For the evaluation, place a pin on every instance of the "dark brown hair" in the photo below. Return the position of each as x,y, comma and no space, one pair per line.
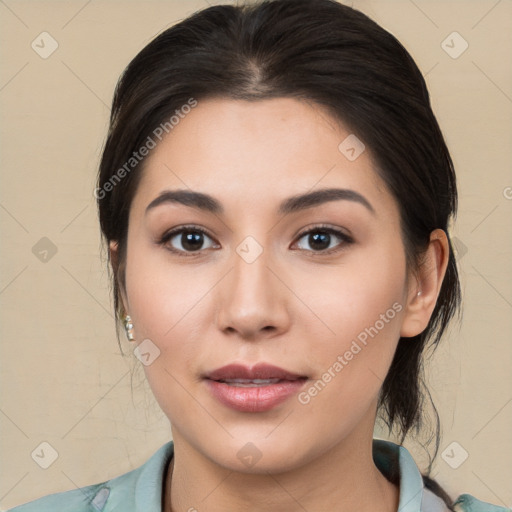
320,51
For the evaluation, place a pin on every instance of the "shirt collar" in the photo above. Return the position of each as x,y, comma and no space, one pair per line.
397,465
150,484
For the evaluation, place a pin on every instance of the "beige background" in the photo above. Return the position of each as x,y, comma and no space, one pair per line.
63,380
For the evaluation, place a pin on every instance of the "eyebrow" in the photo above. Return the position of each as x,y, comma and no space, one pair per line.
293,204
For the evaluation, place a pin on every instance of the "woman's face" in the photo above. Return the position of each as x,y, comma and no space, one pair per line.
316,287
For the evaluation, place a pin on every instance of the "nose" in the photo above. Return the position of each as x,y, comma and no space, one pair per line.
252,301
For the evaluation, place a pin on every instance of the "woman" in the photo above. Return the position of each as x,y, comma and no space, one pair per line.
275,193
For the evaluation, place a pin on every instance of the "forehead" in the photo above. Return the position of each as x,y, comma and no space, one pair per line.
259,151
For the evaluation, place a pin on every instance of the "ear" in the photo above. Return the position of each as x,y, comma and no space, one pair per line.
118,270
425,285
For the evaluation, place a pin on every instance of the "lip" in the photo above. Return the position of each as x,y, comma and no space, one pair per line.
258,371
244,397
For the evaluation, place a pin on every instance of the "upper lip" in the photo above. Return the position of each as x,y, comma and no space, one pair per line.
258,371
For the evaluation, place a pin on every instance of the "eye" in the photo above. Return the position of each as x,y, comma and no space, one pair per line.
322,239
186,240
190,240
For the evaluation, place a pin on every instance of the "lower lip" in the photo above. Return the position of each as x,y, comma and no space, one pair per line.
257,398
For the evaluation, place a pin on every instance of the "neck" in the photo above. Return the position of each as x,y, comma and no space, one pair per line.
343,479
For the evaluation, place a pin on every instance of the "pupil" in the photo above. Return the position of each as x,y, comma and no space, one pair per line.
191,241
319,240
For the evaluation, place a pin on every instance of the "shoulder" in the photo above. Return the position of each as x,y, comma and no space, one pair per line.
137,490
464,503
77,500
419,493
432,502
468,503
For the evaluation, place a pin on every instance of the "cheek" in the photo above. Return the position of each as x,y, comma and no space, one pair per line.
362,305
165,303
357,295
352,363
170,304
162,297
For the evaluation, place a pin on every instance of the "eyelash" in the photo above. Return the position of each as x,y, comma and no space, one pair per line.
322,228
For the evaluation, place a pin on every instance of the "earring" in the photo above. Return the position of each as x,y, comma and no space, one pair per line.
128,327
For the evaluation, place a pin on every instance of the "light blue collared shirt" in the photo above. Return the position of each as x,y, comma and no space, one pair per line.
141,489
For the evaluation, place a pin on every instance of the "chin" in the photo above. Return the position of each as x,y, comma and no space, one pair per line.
261,456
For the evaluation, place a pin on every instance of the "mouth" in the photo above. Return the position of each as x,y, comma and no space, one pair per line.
253,389
249,383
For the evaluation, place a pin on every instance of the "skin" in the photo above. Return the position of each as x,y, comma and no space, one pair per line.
294,306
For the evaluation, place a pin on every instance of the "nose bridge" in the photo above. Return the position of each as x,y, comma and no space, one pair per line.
251,299
251,274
